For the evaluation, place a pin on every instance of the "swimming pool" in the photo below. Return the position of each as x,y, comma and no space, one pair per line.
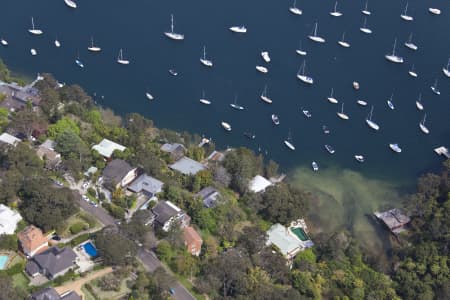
3,261
300,233
90,249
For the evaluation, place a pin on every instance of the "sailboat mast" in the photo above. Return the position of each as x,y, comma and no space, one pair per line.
171,23
393,49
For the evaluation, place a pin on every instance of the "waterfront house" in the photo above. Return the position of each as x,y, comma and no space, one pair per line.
46,151
209,196
287,242
146,185
192,240
187,166
258,184
118,173
9,140
215,156
106,148
175,150
8,220
32,241
394,219
51,294
52,262
165,213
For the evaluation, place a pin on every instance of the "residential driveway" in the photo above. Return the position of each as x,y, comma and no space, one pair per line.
78,284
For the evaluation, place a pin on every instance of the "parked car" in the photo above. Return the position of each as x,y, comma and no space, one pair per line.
56,237
172,291
85,198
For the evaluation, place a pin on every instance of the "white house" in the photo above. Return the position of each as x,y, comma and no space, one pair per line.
8,220
106,148
259,184
9,139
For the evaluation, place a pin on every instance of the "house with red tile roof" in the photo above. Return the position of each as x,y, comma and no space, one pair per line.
192,240
32,241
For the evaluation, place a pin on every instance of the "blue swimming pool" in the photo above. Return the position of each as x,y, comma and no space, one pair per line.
90,249
3,261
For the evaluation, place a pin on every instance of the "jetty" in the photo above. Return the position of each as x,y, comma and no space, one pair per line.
442,151
394,219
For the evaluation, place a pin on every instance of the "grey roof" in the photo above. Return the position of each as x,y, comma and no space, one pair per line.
164,211
147,184
209,196
116,170
48,144
46,294
32,268
71,296
170,148
187,166
55,260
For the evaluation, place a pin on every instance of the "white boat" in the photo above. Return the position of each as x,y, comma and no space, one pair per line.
173,72
329,149
314,37
120,59
412,72
94,48
307,113
395,148
341,114
422,126
275,119
315,166
33,52
409,44
366,10
149,96
419,104
235,105
33,30
262,69
225,126
204,60
203,99
355,85
364,28
371,123
393,57
325,129
301,75
57,43
342,42
238,29
4,42
265,56
264,96
362,102
434,88
359,158
79,63
434,11
293,9
288,142
300,51
405,15
60,85
331,98
446,69
70,3
171,34
335,12
390,103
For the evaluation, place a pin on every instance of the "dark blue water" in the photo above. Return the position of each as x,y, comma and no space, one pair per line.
138,28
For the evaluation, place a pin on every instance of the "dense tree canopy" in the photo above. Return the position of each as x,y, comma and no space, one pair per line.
107,241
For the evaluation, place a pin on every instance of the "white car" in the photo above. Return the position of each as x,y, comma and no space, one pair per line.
84,197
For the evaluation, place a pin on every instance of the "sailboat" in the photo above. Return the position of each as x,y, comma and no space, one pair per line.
120,59
300,51
434,11
366,11
262,69
235,105
225,126
33,30
288,142
390,103
422,125
446,70
275,119
409,44
78,61
314,37
293,9
238,29
412,72
341,114
359,158
434,87
371,123
70,3
57,43
419,104
93,48
264,96
204,100
149,96
364,28
361,102
405,15
335,12
329,149
33,51
171,34
395,148
204,60
306,112
342,42
302,76
331,98
393,57
265,56
3,42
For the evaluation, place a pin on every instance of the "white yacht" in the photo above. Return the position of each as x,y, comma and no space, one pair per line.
301,75
204,60
393,57
33,29
342,42
335,12
329,149
362,102
203,99
409,44
390,103
306,112
275,119
405,15
355,85
446,69
265,56
171,34
262,69
419,104
288,142
33,52
366,10
341,113
94,48
264,96
235,105
293,9
4,42
70,3
149,96
120,59
315,166
364,28
434,88
225,126
395,147
412,72
422,126
371,123
434,11
300,51
173,72
314,37
359,158
238,29
331,98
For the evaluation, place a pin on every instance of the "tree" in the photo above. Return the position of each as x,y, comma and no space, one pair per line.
108,240
9,292
252,239
22,122
3,118
62,126
8,242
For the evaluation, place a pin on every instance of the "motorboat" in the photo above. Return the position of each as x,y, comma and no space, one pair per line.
33,29
203,99
331,98
364,28
225,126
390,103
434,88
265,56
361,102
307,113
238,29
412,73
446,69
405,15
395,147
250,135
4,42
366,10
335,12
314,37
359,158
409,44
120,59
342,42
422,126
325,129
329,149
94,48
434,11
371,123
288,142
70,3
264,96
171,34
419,104
355,85
301,75
149,96
300,51
235,105
57,43
33,52
341,114
173,72
315,166
293,9
204,60
262,69
393,57
275,119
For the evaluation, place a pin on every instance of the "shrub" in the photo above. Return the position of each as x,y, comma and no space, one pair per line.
78,227
79,239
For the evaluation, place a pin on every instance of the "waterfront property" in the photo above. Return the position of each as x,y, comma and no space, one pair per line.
32,241
187,166
8,219
52,263
106,148
17,97
118,173
175,150
394,219
259,184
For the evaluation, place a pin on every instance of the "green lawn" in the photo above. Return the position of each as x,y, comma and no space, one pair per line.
80,217
20,280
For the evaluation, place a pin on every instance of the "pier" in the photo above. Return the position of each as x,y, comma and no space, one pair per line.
442,151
